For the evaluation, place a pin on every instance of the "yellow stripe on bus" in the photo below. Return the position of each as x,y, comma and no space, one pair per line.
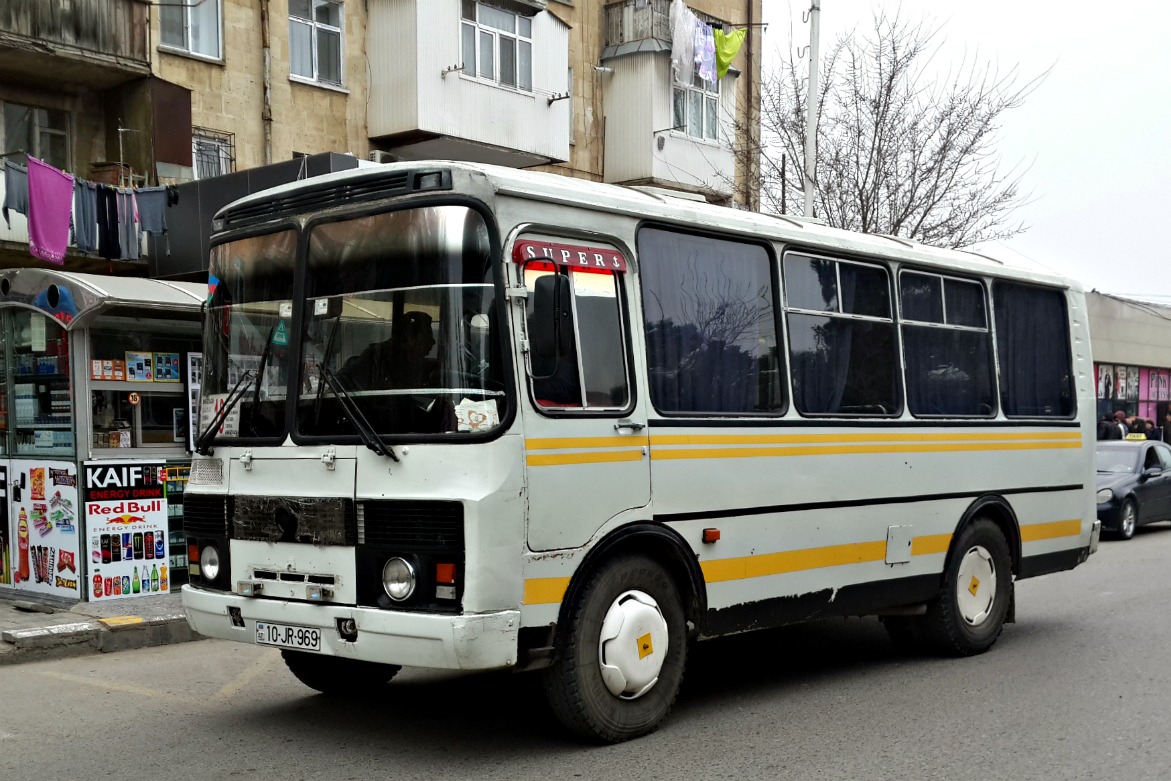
1052,530
798,439
717,570
545,591
931,543
570,443
564,459
542,591
835,450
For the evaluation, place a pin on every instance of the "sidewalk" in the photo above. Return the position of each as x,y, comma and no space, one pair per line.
31,630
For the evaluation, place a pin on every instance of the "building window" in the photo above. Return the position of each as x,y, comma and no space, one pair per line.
696,108
192,27
42,133
315,40
212,153
497,45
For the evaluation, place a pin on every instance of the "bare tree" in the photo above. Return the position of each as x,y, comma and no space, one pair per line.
901,149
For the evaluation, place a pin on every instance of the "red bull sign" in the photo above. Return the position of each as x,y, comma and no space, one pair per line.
126,529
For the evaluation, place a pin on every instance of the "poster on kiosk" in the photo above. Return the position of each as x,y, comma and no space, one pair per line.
126,529
43,528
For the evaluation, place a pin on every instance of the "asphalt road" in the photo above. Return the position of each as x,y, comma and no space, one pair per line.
1079,688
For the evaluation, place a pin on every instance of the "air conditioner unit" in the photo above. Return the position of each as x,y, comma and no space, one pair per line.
382,156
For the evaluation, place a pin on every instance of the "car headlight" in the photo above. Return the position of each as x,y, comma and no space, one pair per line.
1105,495
209,562
398,579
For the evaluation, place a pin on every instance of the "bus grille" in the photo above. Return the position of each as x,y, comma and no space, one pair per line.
414,526
315,520
205,515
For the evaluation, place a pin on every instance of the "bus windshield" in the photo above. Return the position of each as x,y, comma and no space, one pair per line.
398,326
247,333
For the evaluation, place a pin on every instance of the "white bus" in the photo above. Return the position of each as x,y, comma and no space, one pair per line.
466,417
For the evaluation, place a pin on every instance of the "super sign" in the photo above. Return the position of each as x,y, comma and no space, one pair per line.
571,255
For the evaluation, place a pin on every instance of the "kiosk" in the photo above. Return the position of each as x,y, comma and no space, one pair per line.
95,402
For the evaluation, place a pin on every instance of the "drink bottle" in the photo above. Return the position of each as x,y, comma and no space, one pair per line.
135,584
97,585
154,578
163,584
22,546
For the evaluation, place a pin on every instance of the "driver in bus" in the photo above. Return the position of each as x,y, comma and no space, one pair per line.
398,362
401,363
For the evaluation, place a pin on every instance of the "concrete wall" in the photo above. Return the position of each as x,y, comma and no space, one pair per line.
228,95
1129,332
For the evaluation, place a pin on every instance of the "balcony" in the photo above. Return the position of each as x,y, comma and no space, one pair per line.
646,144
426,103
92,43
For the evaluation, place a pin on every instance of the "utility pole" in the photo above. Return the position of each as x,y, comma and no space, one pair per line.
812,106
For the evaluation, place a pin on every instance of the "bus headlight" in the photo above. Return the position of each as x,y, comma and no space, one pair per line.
1105,495
398,579
209,562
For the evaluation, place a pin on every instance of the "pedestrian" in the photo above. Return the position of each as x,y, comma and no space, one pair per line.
1150,430
1120,429
1167,427
1107,429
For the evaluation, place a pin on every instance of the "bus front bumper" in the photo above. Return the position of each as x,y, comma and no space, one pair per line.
482,641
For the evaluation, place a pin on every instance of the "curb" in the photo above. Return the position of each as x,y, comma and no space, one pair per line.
102,635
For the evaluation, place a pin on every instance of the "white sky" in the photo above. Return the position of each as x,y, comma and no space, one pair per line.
1095,135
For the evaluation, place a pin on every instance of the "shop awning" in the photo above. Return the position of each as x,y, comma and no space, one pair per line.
74,299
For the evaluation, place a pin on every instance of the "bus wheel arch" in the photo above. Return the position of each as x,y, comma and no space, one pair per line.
657,542
995,508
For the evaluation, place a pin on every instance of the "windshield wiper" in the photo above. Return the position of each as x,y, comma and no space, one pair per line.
204,440
366,432
326,354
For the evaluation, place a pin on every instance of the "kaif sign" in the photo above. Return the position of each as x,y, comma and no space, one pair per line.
126,527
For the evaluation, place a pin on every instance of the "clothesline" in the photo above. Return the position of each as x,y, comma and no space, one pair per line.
99,219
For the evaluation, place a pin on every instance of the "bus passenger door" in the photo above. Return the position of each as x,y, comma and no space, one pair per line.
586,442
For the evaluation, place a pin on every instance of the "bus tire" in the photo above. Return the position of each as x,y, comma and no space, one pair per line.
969,613
621,654
336,675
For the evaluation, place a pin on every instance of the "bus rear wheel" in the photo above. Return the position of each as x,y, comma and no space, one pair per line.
621,653
969,613
337,676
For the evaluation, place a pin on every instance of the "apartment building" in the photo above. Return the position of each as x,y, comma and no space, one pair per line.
133,92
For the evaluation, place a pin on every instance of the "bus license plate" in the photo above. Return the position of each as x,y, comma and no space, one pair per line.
283,636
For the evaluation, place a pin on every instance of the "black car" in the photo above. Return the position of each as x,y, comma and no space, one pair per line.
1134,485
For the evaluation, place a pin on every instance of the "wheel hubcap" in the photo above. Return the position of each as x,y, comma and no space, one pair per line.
633,645
1128,519
976,585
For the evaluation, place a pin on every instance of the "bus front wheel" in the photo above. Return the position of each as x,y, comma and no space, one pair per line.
969,613
621,654
337,676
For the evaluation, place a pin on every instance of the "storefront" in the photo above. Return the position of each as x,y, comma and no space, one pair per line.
95,404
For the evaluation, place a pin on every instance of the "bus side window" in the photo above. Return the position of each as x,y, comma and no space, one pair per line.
556,382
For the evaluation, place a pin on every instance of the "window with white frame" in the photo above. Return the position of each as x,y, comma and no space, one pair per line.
42,133
697,108
315,40
193,27
497,45
212,153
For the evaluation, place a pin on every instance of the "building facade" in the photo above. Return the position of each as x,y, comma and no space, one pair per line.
137,93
